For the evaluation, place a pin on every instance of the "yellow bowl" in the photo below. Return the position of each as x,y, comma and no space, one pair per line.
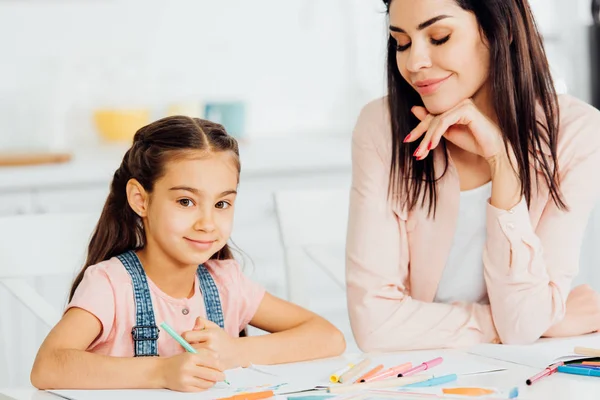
120,125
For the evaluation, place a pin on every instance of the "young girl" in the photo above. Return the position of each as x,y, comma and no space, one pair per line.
159,253
472,186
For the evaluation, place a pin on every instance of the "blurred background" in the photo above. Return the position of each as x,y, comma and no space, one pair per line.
287,78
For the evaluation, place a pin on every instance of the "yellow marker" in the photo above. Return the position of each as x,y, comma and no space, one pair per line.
335,377
468,391
586,351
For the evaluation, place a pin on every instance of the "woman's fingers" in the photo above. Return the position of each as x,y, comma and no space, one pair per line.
433,136
419,129
420,112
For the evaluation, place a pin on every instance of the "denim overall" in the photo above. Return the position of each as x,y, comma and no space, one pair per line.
145,332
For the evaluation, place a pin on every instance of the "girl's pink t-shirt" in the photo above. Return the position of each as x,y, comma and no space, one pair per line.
106,291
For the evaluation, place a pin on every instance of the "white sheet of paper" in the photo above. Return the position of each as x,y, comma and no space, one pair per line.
241,380
140,394
540,354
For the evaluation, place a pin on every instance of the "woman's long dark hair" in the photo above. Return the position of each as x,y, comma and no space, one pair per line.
119,228
520,80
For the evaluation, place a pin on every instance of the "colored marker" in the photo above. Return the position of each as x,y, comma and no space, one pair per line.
584,366
440,380
188,347
335,377
423,367
468,391
578,371
354,371
369,373
546,372
592,363
251,396
586,351
394,371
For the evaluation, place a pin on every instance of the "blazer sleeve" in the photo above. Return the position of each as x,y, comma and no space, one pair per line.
529,271
383,315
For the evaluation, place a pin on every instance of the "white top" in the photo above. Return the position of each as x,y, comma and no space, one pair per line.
462,279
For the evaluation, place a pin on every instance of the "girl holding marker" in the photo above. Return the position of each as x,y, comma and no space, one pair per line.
159,253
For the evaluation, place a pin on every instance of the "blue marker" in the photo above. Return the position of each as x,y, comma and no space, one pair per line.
584,366
578,371
433,381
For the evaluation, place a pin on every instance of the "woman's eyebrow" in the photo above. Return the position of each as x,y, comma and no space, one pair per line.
422,25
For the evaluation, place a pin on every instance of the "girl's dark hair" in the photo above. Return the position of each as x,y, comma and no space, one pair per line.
520,79
119,228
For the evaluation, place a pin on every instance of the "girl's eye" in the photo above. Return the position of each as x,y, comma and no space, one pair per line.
186,202
439,42
223,204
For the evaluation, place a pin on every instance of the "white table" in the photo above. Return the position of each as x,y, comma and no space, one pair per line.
26,394
558,386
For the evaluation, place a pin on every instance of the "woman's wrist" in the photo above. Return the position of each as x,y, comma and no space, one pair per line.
506,184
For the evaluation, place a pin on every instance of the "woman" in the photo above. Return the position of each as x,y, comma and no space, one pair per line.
472,186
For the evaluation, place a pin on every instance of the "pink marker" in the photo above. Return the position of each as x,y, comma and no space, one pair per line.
423,367
394,371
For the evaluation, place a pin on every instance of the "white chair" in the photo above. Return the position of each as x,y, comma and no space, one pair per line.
46,251
589,272
312,227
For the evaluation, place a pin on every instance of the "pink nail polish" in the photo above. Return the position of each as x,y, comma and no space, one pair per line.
429,146
415,153
407,138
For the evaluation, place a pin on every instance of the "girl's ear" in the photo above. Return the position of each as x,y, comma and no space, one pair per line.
137,197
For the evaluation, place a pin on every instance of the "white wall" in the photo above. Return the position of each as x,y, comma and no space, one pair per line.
294,62
303,66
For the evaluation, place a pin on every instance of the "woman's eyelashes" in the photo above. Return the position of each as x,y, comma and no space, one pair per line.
439,42
435,42
402,47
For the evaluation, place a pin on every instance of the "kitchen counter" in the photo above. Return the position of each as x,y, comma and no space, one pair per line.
259,157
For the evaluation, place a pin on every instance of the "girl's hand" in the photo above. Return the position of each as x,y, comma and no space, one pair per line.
463,125
188,372
207,335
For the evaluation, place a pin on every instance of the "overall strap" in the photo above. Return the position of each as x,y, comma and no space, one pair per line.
145,331
212,301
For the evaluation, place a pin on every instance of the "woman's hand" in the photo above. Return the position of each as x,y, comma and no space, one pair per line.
463,125
208,335
582,315
468,128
